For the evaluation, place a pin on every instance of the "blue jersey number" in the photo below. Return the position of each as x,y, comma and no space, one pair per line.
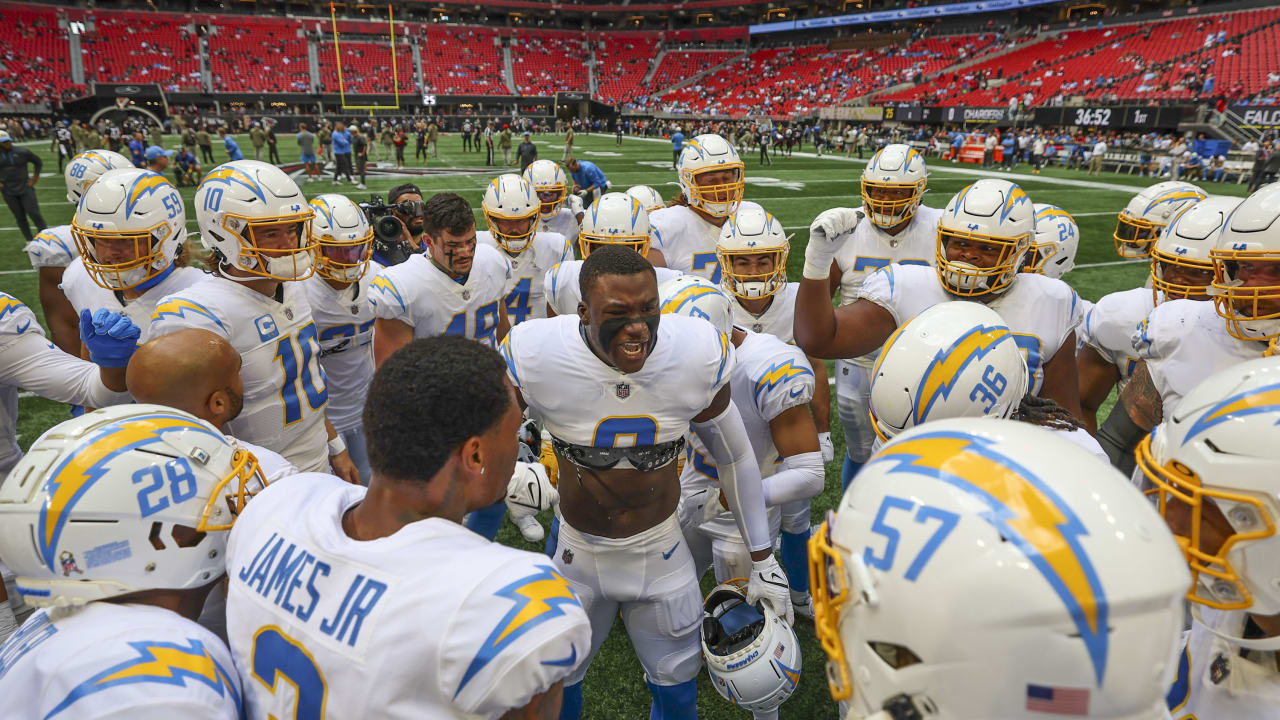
707,262
77,170
485,328
518,307
173,204
277,657
347,332
989,390
300,363
182,485
885,559
642,429
1030,347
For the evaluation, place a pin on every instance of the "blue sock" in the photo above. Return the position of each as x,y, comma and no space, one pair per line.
571,706
553,538
847,471
795,559
673,702
486,521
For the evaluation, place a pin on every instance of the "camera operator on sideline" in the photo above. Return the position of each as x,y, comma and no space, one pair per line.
397,224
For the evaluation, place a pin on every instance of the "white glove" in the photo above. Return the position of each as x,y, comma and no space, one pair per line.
699,507
827,235
828,449
769,583
575,204
530,491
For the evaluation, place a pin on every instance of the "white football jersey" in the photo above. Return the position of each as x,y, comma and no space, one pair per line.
285,391
273,465
85,294
433,621
583,401
106,660
868,248
1214,680
769,377
686,240
778,320
1184,342
29,361
1108,327
424,297
564,293
525,294
1040,311
52,247
344,319
564,222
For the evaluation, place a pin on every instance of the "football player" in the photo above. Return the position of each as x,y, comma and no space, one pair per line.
52,249
983,237
1057,238
253,219
617,390
130,230
712,179
901,229
752,252
354,602
1141,221
339,297
1183,341
511,211
1086,606
457,288
1180,269
614,219
115,524
1215,465
558,211
959,359
772,386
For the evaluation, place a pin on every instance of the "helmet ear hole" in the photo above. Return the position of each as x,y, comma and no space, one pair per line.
186,536
895,656
154,537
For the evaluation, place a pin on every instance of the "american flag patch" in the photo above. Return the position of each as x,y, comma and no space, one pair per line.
1057,700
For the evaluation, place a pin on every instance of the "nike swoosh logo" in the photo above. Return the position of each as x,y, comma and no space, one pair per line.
797,392
24,326
667,555
565,662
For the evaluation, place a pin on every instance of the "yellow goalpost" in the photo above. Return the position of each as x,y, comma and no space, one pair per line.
337,57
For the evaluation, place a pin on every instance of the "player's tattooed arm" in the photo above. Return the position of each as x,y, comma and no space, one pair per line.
1141,399
1137,411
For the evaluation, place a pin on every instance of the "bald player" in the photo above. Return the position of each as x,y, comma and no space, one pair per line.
198,371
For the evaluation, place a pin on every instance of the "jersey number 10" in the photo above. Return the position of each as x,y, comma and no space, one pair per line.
300,362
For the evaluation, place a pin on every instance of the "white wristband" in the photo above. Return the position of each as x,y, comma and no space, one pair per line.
337,445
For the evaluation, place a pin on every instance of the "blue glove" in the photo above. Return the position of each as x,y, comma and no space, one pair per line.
110,336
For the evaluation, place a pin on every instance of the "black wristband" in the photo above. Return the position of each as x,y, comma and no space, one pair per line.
1119,436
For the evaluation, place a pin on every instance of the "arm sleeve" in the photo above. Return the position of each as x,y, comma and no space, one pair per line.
800,478
725,437
31,363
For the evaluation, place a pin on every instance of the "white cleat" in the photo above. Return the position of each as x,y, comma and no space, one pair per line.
532,531
803,604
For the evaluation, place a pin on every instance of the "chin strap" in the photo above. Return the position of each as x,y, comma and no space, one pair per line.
1267,643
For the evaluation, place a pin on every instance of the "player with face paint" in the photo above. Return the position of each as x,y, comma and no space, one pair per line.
620,544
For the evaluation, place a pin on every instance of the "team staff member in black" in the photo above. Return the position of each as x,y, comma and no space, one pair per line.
18,187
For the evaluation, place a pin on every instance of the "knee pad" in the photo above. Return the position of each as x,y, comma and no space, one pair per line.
664,633
795,517
853,392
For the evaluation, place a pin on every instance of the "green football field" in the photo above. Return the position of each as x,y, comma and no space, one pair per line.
794,189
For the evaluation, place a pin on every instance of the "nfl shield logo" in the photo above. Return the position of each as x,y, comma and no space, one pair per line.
466,294
288,313
623,390
567,556
757,328
355,310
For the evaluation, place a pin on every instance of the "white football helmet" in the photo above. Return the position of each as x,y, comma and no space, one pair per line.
550,183
1216,468
1140,222
344,237
993,569
955,359
129,228
1053,249
893,183
988,214
711,154
237,198
510,199
1182,250
648,197
751,231
1251,238
88,166
752,655
614,219
697,297
122,499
